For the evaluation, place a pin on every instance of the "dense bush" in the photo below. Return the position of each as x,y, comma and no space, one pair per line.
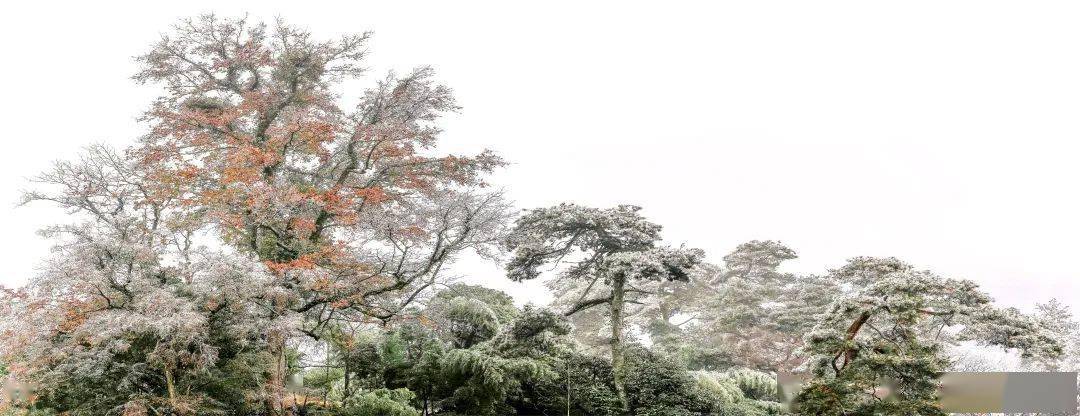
381,402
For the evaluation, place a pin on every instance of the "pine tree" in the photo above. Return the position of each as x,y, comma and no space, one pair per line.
880,348
614,250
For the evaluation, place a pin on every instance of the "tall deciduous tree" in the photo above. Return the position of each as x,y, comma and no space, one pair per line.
336,214
128,313
346,207
249,132
614,250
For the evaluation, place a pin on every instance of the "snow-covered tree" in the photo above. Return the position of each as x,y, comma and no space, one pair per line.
759,314
330,214
260,234
127,312
673,316
744,313
880,348
1060,324
615,251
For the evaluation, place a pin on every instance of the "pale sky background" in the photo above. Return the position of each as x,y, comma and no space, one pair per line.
941,132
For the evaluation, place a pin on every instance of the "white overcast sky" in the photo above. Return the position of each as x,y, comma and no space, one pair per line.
941,132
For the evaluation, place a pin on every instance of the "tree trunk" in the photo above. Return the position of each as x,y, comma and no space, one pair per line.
345,391
567,386
170,386
617,365
277,379
849,353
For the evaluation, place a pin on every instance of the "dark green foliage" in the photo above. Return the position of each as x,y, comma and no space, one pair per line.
754,385
750,408
911,374
465,315
221,389
471,322
658,386
320,382
589,380
487,379
381,402
526,367
655,386
406,357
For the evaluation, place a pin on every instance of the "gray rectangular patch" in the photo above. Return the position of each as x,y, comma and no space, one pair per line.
989,392
1009,392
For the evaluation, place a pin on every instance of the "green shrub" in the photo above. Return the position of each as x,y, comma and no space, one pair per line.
381,402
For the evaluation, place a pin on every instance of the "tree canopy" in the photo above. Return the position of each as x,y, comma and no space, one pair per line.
262,250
